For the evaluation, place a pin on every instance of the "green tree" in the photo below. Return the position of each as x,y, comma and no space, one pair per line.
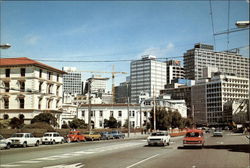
16,123
45,117
77,123
111,123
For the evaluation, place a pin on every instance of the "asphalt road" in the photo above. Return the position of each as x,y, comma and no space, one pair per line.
229,151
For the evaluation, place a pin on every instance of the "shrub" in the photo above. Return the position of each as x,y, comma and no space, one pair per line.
39,125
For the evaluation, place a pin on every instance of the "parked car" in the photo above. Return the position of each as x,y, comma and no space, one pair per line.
24,140
92,136
117,134
4,143
194,137
106,135
218,133
52,138
75,136
159,138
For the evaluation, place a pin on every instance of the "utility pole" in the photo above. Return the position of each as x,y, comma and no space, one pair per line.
89,107
154,108
128,113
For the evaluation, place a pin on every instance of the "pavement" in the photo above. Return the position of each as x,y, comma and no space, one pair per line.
136,135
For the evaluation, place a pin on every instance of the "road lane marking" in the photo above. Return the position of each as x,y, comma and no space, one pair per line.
29,161
84,152
7,165
76,165
142,161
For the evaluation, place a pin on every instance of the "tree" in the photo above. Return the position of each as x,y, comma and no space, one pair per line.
77,123
16,123
111,123
45,117
166,119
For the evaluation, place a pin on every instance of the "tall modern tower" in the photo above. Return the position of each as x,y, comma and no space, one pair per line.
203,56
148,76
72,81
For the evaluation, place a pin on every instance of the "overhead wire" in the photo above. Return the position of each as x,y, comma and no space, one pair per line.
212,20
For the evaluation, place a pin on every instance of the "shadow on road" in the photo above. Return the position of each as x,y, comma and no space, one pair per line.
233,148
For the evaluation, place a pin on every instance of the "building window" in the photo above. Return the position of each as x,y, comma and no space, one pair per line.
119,113
6,103
57,103
40,103
22,71
92,113
5,116
21,103
22,86
111,113
21,117
57,90
7,86
83,113
49,76
40,86
57,78
101,113
40,73
49,104
100,124
7,73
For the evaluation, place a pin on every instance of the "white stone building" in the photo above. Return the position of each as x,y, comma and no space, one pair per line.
99,112
174,70
28,87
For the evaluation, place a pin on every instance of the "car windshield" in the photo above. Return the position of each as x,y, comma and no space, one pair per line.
192,134
47,135
17,135
158,134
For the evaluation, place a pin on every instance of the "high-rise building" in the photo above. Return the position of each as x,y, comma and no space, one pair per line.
174,70
202,56
147,75
72,81
212,97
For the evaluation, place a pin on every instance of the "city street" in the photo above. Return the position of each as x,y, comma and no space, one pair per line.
229,151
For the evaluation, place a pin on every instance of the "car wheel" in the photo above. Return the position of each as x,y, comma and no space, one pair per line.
62,141
7,146
37,143
24,144
53,142
168,143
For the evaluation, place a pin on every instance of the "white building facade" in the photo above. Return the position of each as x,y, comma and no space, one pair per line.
28,87
174,70
72,81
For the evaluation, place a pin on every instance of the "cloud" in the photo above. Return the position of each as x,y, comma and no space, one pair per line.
157,51
32,39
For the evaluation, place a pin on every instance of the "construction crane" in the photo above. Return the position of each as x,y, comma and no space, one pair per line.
113,79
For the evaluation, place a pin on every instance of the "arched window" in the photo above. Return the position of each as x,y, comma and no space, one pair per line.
5,116
21,116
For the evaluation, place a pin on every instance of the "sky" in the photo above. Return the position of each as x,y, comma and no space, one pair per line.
69,33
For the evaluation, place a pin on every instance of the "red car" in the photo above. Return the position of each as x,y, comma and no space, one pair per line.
75,136
194,137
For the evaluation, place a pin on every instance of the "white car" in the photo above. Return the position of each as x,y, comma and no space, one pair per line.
52,138
24,139
4,143
159,138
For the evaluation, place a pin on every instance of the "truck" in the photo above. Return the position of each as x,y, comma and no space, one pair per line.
24,140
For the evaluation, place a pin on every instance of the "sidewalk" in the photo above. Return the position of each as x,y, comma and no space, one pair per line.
136,135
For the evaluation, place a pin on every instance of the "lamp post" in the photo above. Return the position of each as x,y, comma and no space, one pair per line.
5,46
245,24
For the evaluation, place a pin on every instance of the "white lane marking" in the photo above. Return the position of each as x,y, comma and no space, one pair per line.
8,165
84,152
45,158
193,166
29,161
142,161
77,165
220,142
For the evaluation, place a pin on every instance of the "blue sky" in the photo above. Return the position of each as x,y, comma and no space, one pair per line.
115,30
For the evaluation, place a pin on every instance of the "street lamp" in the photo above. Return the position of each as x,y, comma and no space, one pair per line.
242,24
128,112
5,46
